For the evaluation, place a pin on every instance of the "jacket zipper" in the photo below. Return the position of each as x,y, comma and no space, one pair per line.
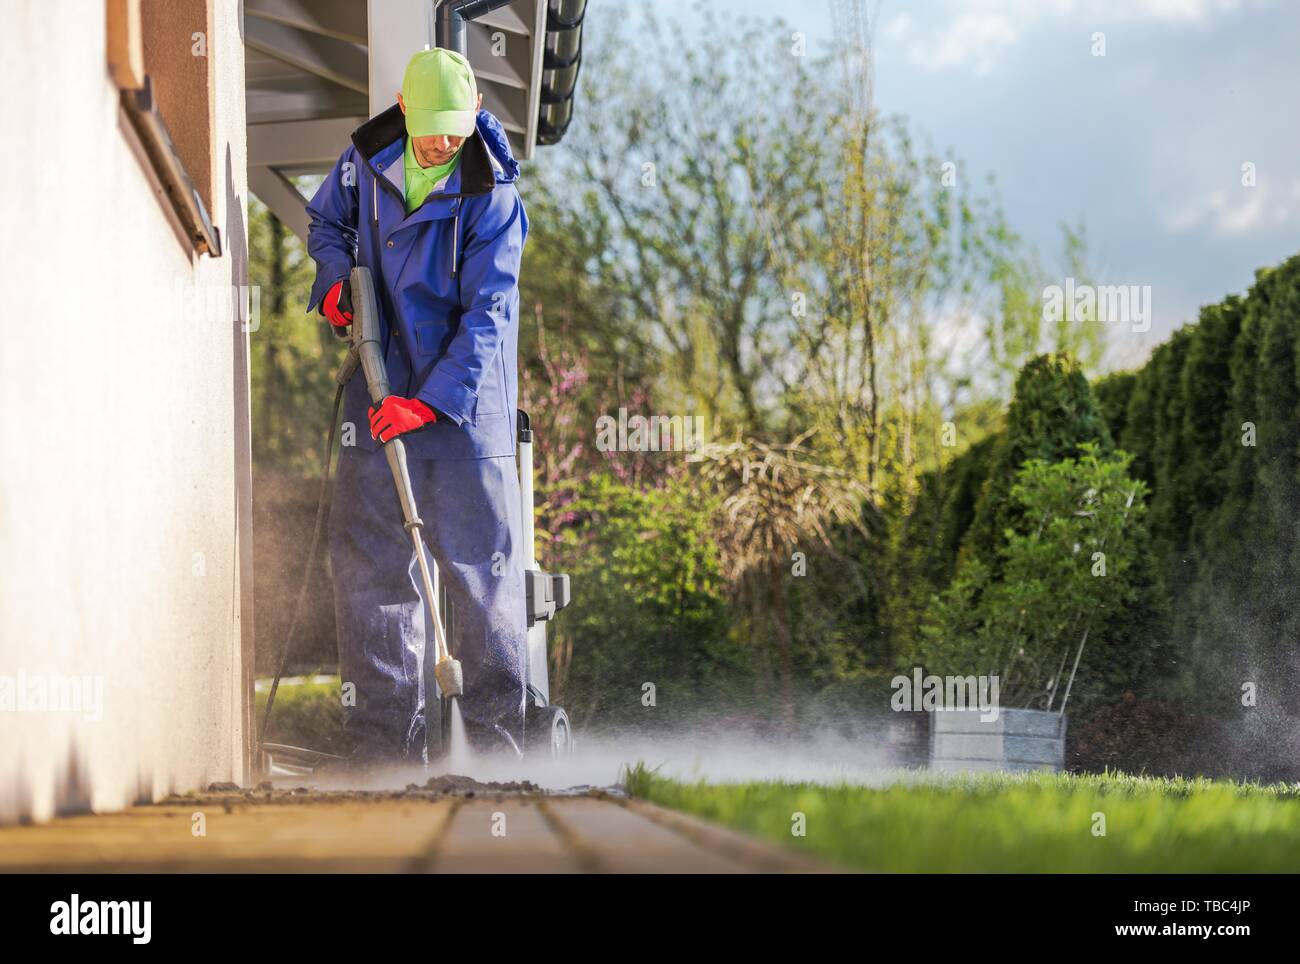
455,229
455,237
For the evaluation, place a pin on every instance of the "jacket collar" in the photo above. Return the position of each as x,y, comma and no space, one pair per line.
476,170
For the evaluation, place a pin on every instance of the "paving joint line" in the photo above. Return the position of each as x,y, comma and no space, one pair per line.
734,845
426,861
588,857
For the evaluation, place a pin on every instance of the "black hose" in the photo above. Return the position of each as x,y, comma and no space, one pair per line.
322,507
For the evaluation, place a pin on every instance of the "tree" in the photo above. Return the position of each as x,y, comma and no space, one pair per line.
1052,416
1020,330
886,271
294,355
657,164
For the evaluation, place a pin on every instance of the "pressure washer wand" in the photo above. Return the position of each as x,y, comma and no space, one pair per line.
367,347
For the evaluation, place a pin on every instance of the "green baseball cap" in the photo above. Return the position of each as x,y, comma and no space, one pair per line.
440,94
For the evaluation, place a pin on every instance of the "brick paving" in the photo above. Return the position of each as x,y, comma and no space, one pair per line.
247,831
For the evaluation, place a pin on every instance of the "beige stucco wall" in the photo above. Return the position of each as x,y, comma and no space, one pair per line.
123,434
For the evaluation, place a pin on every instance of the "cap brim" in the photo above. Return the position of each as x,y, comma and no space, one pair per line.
423,122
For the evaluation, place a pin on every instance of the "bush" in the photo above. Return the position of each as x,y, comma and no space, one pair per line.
306,714
648,606
1066,580
1052,415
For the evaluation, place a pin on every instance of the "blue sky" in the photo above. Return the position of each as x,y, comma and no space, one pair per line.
1145,145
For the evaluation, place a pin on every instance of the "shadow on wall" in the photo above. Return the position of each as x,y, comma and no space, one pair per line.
237,252
71,791
19,803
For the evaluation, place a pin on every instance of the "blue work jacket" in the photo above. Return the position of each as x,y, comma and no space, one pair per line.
446,277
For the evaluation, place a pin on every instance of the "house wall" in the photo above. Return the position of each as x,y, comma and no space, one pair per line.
123,435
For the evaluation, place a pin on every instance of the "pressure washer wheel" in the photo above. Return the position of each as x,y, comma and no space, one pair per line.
547,732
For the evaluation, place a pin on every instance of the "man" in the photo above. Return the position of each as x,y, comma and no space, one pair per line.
425,199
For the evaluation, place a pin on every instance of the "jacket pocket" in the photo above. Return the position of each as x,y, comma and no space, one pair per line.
492,393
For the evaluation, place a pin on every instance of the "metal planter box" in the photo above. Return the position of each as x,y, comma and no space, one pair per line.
1016,740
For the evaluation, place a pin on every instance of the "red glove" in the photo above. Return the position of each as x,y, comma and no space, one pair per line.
397,415
337,304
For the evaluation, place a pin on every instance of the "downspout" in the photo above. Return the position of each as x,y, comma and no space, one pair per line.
452,16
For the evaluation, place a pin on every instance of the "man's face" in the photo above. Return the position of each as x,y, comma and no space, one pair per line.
436,148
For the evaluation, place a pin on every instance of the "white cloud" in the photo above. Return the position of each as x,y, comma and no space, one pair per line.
1162,11
961,34
1238,212
973,40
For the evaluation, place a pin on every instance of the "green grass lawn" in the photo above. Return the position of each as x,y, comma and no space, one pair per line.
307,714
1031,823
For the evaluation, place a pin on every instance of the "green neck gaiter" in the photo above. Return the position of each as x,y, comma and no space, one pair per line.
421,180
